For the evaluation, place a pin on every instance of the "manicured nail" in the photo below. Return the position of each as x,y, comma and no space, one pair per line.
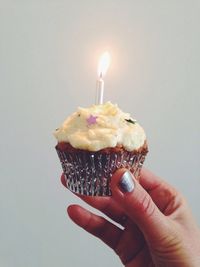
126,183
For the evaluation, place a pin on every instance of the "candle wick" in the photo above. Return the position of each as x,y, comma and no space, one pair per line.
101,75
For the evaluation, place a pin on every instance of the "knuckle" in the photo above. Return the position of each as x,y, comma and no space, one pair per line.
147,206
120,251
168,244
177,201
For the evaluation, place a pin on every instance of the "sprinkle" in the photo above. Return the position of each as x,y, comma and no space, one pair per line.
131,121
92,120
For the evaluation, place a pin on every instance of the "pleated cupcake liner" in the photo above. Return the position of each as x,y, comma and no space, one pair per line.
89,173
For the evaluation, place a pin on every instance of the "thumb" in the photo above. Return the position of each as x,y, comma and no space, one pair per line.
139,206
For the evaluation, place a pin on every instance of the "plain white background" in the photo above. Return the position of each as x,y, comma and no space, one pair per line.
48,60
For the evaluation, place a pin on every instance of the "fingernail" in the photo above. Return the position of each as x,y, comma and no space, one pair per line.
126,182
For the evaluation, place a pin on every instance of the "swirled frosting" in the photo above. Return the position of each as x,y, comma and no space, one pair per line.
99,127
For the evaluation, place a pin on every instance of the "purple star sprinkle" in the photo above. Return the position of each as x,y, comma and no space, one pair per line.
92,120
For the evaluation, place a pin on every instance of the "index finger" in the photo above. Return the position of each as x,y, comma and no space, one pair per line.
106,205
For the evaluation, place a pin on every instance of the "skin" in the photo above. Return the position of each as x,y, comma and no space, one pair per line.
157,228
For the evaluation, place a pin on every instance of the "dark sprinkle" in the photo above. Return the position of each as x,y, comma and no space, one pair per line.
57,129
130,121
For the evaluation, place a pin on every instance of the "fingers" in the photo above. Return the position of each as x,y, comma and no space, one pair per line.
130,243
63,179
138,205
95,225
142,205
107,205
126,243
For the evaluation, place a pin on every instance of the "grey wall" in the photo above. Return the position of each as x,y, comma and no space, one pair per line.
48,59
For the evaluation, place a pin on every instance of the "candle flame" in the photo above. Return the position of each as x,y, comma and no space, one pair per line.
104,63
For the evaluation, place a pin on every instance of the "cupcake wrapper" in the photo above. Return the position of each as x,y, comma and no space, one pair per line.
89,173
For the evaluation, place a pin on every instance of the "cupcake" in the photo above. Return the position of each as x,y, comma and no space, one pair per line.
94,142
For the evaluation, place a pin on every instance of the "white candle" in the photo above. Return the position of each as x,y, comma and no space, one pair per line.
102,68
99,91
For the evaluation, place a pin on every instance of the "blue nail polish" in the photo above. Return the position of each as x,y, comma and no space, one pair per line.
126,183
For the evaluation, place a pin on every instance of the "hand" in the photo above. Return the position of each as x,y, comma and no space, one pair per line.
157,226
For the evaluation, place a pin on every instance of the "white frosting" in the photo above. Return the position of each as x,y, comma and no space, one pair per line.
107,128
